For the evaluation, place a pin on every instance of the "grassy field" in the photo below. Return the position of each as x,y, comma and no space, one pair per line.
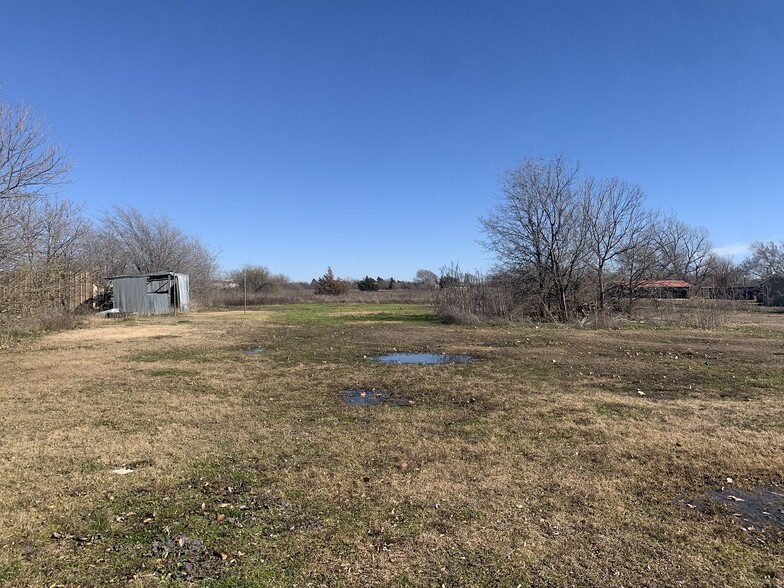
560,457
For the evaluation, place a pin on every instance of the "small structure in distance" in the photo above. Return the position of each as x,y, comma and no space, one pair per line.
155,293
772,290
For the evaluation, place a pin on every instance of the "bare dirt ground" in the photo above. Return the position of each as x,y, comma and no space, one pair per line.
560,457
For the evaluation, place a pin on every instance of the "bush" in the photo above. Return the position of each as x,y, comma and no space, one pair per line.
258,279
47,321
368,285
329,284
468,299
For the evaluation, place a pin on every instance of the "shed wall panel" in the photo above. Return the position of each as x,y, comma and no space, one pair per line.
151,293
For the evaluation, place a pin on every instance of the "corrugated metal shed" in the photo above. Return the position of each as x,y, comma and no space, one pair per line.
155,293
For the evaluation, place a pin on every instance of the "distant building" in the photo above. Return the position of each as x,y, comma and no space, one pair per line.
772,290
155,293
749,290
663,288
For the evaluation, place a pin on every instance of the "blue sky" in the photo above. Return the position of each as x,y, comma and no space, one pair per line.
369,135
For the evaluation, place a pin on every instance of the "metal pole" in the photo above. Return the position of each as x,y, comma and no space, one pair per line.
245,280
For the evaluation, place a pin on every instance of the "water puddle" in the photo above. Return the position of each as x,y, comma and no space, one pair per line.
423,358
372,397
254,351
760,509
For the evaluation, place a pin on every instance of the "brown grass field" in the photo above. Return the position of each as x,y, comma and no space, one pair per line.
561,457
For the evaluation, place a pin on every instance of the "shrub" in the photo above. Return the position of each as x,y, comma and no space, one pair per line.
368,285
329,284
468,299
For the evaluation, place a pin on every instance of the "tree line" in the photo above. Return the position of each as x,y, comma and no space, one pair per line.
50,250
566,241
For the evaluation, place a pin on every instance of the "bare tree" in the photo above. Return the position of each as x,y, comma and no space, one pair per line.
11,210
538,230
684,251
724,277
766,259
29,163
43,256
51,233
616,218
639,262
258,278
426,278
128,241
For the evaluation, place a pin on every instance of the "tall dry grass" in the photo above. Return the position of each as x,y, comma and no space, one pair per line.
233,298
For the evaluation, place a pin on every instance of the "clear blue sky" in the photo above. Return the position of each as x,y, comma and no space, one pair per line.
369,135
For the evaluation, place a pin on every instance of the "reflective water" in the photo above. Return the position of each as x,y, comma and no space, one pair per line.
371,397
756,509
423,358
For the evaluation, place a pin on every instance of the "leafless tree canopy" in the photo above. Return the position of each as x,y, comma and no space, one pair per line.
41,250
616,220
258,279
766,259
426,278
684,251
29,163
538,230
562,236
128,241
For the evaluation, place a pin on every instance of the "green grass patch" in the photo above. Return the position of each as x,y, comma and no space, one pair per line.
172,373
213,528
162,355
765,380
326,313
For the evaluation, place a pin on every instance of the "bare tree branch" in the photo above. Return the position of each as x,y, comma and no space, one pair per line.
29,163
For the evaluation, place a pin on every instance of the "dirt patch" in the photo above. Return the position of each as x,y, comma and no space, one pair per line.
105,335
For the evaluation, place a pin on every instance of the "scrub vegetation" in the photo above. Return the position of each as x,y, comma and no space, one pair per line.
155,451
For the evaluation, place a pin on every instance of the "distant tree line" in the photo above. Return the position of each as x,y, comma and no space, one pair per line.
567,242
51,254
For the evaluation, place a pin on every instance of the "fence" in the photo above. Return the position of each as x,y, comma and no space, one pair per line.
25,292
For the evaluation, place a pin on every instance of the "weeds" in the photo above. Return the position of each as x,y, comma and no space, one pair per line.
13,331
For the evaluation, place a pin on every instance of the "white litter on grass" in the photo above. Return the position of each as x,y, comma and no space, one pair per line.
122,471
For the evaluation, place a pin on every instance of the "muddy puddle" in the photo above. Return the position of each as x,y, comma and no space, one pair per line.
760,509
372,397
254,351
423,358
